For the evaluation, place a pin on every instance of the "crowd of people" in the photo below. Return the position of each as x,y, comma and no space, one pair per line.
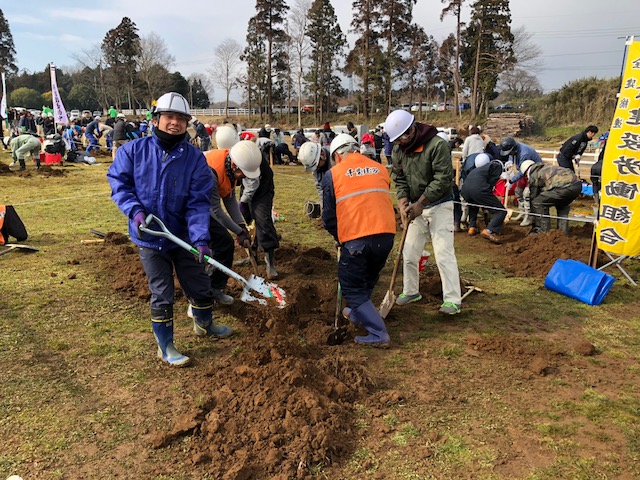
192,188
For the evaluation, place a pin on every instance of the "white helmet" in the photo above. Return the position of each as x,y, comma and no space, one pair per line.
226,137
341,140
525,166
397,123
482,159
309,155
247,157
194,119
173,102
443,136
6,141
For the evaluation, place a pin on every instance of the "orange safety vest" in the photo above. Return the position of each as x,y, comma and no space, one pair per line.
215,159
363,203
3,212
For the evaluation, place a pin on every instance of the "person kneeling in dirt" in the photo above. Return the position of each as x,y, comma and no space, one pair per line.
22,147
163,174
359,214
550,186
478,190
315,158
224,183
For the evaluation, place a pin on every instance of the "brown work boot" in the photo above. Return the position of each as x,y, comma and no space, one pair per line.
472,232
492,237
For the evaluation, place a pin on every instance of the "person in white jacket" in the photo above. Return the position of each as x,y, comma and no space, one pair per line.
473,143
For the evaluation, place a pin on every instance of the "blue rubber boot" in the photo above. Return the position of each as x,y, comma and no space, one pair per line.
204,326
367,315
163,331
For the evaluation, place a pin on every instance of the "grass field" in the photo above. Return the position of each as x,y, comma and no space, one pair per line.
524,384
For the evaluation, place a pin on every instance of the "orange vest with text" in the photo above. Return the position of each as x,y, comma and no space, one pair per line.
363,203
215,159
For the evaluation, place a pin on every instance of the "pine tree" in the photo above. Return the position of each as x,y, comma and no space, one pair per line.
121,48
487,49
360,60
255,79
7,49
394,21
454,8
269,18
327,43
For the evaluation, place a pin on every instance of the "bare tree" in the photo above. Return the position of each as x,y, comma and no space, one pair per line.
526,52
225,66
454,7
153,65
93,59
297,30
521,80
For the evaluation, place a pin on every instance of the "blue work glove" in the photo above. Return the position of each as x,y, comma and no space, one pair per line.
139,221
202,251
245,211
243,238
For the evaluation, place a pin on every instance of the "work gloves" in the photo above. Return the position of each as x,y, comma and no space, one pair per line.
243,238
139,221
202,251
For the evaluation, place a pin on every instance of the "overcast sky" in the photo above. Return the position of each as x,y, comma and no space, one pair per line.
578,38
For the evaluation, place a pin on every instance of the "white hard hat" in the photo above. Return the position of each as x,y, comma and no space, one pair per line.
173,102
482,159
226,137
267,127
6,141
397,123
309,155
194,119
120,115
247,157
526,165
341,140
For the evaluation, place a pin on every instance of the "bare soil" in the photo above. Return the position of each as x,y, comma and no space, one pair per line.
276,401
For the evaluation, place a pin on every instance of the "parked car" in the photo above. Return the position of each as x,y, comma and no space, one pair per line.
73,114
523,105
442,107
464,106
347,109
97,113
406,106
308,108
423,107
504,106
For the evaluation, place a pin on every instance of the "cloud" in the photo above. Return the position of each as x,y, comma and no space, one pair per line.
87,15
25,20
63,38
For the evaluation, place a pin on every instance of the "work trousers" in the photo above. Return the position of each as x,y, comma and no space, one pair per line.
205,143
361,261
565,162
490,203
222,246
266,235
159,266
282,149
435,223
559,197
93,142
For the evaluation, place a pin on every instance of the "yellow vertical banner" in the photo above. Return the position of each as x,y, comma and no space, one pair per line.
618,228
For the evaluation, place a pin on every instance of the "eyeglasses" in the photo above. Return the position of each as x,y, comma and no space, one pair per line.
406,135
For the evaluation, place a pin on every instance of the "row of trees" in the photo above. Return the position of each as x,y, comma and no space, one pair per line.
298,51
125,70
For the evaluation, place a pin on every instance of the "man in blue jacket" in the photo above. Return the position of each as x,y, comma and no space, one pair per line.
165,175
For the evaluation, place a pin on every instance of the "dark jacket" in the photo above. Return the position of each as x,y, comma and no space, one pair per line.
122,130
576,145
482,180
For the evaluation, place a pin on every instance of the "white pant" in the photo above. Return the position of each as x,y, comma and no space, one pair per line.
435,223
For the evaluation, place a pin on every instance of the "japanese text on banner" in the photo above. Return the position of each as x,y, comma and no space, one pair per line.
619,225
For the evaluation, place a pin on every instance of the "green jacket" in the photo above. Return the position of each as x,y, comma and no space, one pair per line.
428,172
25,144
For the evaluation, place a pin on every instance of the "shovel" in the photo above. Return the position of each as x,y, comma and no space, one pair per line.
18,246
255,284
339,333
390,297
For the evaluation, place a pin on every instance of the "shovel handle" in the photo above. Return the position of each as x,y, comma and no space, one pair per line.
178,241
252,259
396,264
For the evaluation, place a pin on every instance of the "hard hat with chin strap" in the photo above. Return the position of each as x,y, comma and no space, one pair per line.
525,166
397,123
309,155
341,140
226,137
172,102
247,157
482,159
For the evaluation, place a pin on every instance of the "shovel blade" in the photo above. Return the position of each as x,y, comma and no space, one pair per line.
267,292
338,336
387,303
